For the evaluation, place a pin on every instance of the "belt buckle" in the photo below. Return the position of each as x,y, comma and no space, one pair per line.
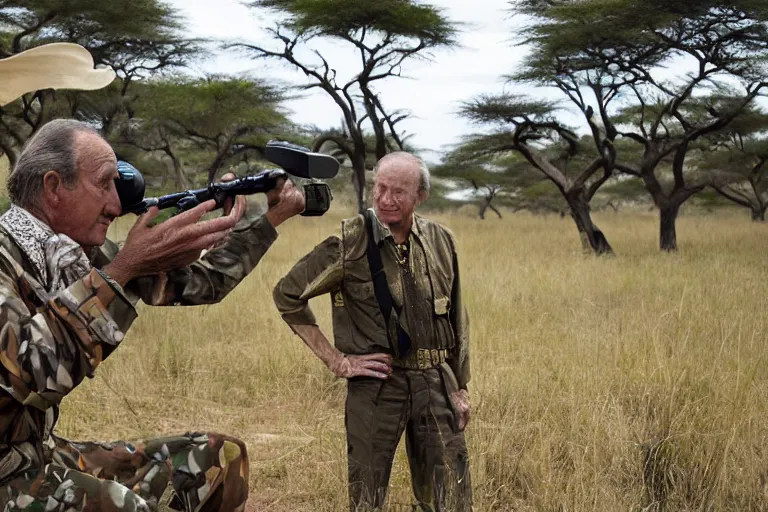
423,358
428,358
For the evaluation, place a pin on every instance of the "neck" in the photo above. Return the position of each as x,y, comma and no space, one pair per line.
43,216
400,231
38,213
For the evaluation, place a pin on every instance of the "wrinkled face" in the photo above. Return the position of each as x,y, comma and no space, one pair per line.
84,211
396,192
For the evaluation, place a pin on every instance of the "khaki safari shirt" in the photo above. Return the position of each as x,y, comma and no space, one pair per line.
429,298
50,342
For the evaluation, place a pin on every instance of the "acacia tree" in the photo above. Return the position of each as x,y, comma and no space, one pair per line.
748,185
576,167
205,123
491,189
327,141
504,178
385,34
481,180
607,54
136,38
737,160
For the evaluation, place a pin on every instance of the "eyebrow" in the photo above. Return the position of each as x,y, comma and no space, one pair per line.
107,171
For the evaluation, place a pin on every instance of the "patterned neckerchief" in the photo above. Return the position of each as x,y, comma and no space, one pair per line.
58,260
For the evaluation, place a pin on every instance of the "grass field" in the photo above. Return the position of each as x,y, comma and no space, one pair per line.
629,383
614,384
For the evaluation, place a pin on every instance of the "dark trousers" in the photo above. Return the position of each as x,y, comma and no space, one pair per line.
415,402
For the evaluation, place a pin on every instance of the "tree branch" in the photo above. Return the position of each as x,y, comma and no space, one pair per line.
587,173
678,164
340,142
628,169
594,187
348,110
16,44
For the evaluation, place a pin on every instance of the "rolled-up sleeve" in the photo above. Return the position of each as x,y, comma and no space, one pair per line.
459,360
317,273
215,274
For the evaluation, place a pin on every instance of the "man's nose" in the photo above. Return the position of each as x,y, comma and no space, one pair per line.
113,207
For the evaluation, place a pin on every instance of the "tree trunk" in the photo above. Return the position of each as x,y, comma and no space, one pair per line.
487,204
358,178
758,214
592,239
667,230
12,157
181,178
11,154
178,170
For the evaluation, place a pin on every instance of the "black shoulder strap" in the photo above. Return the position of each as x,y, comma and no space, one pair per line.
381,289
380,286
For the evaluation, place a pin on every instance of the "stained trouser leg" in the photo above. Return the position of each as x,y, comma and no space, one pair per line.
375,418
437,452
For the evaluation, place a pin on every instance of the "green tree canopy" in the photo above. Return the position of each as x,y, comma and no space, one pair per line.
736,160
137,38
203,124
605,56
385,35
576,166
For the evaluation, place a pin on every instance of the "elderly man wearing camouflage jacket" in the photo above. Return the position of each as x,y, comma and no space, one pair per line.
401,339
67,296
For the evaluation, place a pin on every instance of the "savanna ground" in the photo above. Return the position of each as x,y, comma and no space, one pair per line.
597,384
629,383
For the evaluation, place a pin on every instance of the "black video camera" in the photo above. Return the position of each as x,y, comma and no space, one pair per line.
295,160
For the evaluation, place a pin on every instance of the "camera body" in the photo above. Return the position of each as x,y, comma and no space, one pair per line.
294,160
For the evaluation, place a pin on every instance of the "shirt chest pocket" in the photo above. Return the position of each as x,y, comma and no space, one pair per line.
442,305
444,336
360,297
359,291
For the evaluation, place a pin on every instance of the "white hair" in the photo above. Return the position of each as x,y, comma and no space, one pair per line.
51,148
404,155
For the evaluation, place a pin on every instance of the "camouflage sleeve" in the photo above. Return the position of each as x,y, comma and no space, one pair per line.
459,360
317,273
215,274
43,356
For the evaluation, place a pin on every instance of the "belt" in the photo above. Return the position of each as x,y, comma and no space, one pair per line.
421,359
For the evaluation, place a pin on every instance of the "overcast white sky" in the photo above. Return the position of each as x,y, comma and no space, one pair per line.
433,92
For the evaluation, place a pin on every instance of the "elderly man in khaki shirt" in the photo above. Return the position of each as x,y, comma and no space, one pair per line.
401,339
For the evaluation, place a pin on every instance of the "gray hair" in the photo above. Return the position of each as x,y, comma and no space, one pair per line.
52,148
404,155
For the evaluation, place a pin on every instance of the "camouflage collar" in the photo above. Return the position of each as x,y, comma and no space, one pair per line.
382,232
30,234
58,260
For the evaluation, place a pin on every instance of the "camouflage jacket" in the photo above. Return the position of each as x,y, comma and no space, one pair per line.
50,342
339,266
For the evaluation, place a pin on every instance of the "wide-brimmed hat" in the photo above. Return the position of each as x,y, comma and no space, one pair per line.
51,66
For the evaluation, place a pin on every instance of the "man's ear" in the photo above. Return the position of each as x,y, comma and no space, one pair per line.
52,186
423,196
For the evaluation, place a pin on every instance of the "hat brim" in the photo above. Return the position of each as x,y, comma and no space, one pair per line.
51,66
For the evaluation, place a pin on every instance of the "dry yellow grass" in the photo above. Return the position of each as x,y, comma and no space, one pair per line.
597,384
614,384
